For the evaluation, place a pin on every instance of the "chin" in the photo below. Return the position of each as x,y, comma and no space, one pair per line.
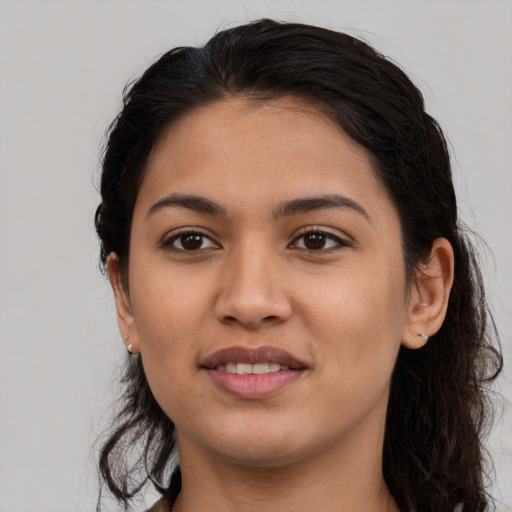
263,458
264,448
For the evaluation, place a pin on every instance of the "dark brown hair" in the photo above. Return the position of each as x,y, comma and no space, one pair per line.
439,402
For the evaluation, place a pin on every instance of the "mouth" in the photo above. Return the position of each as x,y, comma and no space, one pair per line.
245,361
253,373
252,369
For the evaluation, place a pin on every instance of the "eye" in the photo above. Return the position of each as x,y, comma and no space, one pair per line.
318,241
190,241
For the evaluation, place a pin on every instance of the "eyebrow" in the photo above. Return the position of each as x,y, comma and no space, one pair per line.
308,204
285,209
188,202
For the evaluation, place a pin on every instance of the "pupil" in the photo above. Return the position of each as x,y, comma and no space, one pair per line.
314,241
191,242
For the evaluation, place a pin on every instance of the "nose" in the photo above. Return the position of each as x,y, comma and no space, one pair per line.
253,291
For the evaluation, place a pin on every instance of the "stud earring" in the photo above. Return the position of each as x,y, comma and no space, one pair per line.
424,336
130,346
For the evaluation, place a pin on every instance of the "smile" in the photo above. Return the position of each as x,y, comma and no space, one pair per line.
253,373
252,369
244,361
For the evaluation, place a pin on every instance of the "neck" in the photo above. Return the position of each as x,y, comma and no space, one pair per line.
346,478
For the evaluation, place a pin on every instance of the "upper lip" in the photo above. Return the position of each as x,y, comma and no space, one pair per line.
264,354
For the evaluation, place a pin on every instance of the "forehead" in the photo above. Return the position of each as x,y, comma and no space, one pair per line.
238,150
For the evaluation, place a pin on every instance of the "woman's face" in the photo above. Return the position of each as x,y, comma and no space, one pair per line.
262,244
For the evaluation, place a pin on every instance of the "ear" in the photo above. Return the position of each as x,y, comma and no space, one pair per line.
429,295
125,318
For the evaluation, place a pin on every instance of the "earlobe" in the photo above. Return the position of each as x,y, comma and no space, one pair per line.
125,319
430,293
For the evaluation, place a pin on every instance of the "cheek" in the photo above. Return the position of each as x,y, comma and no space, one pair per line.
169,315
168,336
360,318
358,340
164,303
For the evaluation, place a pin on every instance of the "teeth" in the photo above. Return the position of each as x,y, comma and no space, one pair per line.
243,368
252,369
230,368
260,368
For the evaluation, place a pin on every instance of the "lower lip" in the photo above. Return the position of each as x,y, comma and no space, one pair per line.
254,386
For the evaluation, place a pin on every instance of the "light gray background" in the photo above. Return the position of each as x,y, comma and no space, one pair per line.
63,66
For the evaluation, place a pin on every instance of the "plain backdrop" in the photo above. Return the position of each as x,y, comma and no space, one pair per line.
63,65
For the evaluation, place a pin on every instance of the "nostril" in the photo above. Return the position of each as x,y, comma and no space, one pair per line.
252,306
251,323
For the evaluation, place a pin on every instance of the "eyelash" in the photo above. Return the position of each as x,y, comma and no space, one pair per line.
169,243
339,243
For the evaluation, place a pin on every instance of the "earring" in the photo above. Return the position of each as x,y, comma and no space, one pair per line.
424,336
130,346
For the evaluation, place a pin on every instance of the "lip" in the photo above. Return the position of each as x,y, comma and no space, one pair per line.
252,355
253,386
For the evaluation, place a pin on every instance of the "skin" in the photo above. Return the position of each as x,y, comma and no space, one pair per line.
344,309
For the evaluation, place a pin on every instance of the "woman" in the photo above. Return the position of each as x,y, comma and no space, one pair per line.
305,318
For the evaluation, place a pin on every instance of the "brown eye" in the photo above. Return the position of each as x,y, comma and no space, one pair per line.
191,241
318,241
314,241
